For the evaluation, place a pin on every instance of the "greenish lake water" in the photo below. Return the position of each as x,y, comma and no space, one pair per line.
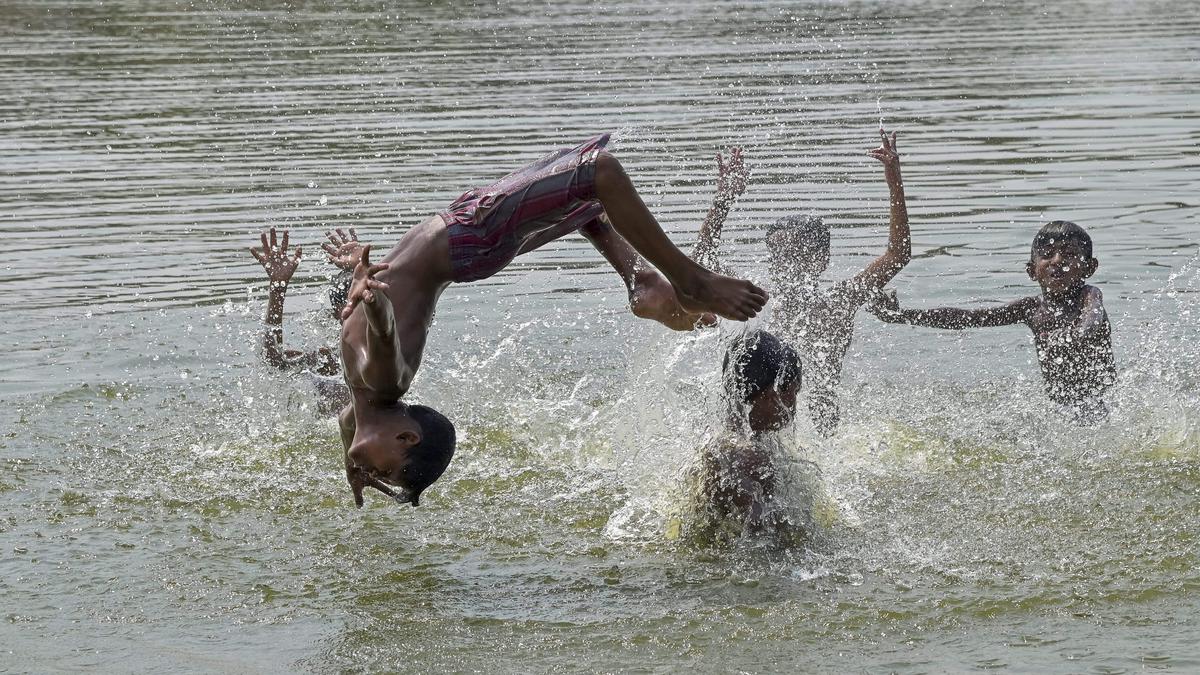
168,503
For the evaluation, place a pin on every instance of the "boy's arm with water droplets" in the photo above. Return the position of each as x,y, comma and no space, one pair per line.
732,177
279,266
887,308
899,251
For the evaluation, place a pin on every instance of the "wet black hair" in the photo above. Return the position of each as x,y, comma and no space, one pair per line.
428,459
1060,232
812,229
757,361
339,290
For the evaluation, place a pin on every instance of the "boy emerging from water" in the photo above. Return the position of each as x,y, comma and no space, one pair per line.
735,484
321,366
818,322
1070,327
401,449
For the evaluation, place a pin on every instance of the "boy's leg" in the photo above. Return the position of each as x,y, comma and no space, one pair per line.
697,289
651,296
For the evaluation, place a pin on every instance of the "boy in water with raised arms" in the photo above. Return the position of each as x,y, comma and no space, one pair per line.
320,366
1070,327
818,322
401,449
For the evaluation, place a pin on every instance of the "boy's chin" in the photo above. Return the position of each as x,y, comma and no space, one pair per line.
1060,284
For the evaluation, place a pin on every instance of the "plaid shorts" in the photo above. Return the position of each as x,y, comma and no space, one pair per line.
526,209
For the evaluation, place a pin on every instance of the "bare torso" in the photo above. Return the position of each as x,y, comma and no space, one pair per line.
1076,364
819,324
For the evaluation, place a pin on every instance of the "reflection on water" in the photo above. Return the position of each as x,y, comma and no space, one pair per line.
165,501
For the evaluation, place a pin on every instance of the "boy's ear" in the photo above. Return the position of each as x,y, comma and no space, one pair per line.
1089,267
1029,270
408,438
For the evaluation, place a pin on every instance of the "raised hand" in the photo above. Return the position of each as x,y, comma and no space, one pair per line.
273,256
364,285
343,250
885,305
732,174
887,152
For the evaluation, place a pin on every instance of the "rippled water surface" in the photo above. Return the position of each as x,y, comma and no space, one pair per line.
166,502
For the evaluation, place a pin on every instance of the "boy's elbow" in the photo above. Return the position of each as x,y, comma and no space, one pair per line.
274,358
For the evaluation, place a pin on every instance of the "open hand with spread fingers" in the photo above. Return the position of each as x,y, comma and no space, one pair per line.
732,174
887,152
364,285
273,256
343,249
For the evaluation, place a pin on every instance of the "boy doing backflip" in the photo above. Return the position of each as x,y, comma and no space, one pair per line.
401,449
1070,327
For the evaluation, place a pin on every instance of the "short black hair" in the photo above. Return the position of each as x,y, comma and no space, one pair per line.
811,228
428,459
755,362
1058,233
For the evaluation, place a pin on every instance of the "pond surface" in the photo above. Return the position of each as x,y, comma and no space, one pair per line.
168,502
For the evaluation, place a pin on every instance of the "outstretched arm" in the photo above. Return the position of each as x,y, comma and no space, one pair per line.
887,308
899,250
376,361
731,184
344,252
273,256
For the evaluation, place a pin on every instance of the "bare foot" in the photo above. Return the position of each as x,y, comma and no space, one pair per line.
653,297
724,296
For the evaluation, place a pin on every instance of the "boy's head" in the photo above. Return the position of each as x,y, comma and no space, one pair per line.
797,246
762,377
1061,257
408,447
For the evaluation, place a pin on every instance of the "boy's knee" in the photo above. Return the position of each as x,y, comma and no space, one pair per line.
608,171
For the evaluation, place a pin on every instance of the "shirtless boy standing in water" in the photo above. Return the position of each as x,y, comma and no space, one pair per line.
1070,327
401,449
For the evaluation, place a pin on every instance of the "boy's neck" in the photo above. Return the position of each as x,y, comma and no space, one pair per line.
369,408
1070,296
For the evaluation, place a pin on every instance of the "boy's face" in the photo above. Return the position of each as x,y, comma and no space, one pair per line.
1060,266
774,408
382,452
791,256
